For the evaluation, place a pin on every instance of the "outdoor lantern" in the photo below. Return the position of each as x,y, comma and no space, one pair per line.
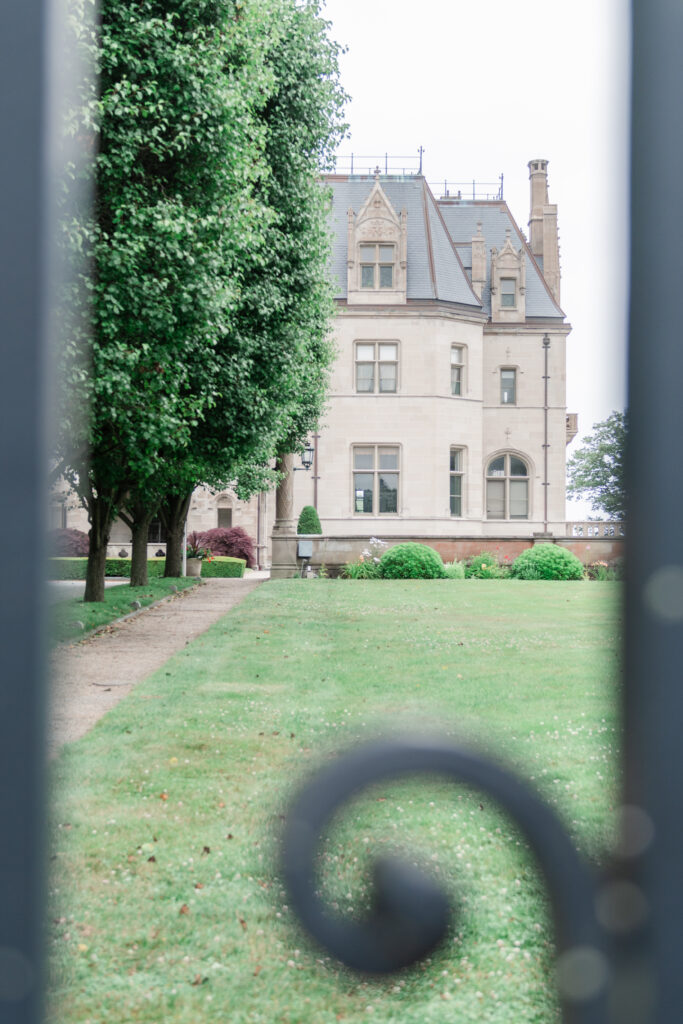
307,456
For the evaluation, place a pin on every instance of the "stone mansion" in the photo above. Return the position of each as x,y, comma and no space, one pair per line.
446,419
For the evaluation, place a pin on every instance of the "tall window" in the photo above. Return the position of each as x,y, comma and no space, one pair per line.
375,479
508,292
377,265
456,473
457,370
507,488
508,387
376,367
157,532
224,517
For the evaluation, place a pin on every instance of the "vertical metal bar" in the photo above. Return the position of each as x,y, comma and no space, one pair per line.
650,988
546,347
23,302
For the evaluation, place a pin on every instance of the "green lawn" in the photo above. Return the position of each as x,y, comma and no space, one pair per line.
165,897
65,615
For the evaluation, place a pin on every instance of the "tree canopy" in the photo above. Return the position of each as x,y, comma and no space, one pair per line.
595,471
203,345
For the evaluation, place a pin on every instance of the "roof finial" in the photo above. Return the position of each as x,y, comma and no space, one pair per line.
377,172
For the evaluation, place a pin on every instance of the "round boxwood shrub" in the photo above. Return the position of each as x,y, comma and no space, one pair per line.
411,562
547,562
483,566
308,521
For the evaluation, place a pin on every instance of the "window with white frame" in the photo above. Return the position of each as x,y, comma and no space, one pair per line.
508,292
377,261
508,387
456,475
376,367
507,488
375,479
457,370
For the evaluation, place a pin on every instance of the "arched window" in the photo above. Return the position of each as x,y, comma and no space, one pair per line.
507,488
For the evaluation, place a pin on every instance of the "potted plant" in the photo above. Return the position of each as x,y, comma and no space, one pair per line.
195,555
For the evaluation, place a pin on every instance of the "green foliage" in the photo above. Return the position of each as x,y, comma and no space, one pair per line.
361,569
309,521
596,470
224,567
67,568
547,562
455,570
199,342
411,562
603,571
483,567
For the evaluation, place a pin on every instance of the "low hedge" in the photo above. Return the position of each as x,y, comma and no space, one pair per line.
75,568
224,567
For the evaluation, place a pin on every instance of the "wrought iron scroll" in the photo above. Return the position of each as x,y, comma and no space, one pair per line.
411,914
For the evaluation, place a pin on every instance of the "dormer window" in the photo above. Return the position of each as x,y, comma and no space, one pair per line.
377,265
508,292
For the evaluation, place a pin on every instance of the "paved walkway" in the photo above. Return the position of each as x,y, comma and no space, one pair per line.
92,676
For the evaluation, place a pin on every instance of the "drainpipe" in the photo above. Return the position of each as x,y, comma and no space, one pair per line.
258,532
546,347
316,438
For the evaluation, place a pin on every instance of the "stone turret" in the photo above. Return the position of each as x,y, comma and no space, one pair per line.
543,236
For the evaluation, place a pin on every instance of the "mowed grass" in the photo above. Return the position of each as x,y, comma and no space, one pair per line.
166,902
66,615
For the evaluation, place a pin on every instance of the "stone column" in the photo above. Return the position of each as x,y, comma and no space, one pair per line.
284,563
284,496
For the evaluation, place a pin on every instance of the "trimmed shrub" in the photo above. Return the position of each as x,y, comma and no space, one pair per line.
547,562
309,521
455,570
224,567
411,562
483,567
121,567
233,543
68,543
67,568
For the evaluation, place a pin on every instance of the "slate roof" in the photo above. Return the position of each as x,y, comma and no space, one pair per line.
439,242
461,219
434,269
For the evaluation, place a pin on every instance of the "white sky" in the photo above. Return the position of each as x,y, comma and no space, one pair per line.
487,85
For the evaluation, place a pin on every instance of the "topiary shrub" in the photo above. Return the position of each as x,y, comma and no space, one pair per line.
411,562
309,521
68,543
234,543
483,567
547,562
223,566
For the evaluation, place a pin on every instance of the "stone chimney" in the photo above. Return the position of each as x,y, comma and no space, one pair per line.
478,262
543,238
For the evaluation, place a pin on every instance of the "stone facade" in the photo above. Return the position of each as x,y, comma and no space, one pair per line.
447,417
446,420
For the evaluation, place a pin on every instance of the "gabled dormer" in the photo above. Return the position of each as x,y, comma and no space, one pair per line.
377,251
508,283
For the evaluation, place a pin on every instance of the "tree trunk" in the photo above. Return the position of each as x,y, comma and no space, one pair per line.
99,513
138,563
137,515
173,512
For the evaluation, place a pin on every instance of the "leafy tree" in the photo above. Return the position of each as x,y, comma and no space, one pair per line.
596,470
179,389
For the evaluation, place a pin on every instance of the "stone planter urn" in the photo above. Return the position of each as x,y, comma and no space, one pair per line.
193,567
